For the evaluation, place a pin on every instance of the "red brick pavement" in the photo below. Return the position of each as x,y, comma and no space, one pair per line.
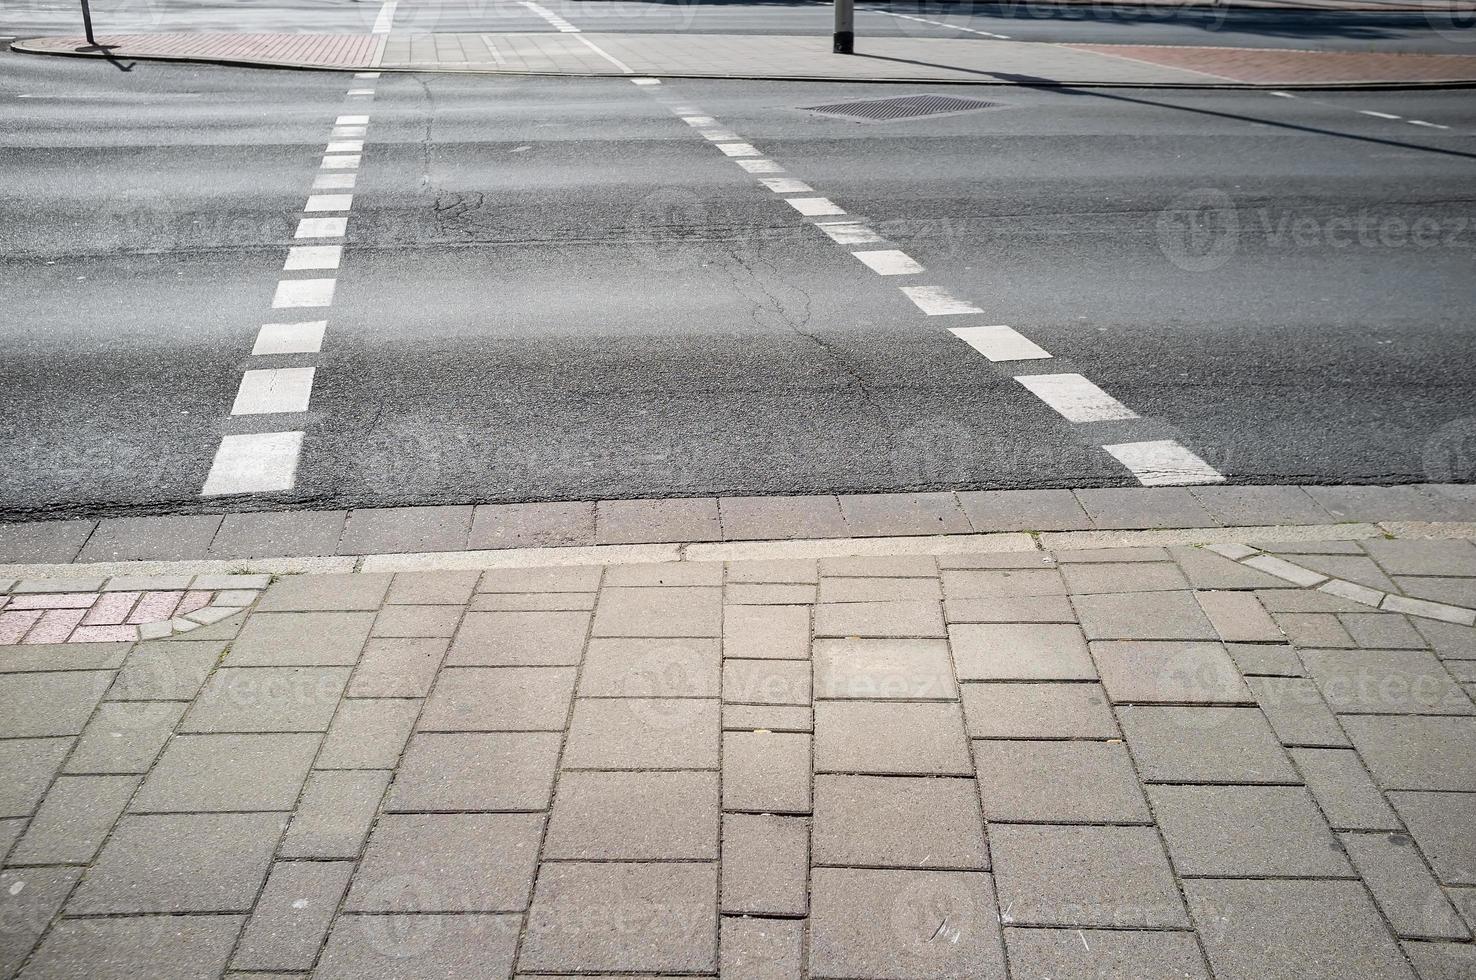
316,50
1266,66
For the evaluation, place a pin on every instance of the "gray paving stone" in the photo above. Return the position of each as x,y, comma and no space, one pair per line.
765,864
1350,568
1442,961
173,538
1386,682
1451,642
267,699
1008,582
780,518
558,578
1059,782
623,918
397,621
1299,600
1269,659
1464,900
448,862
165,671
879,566
1204,744
195,862
1423,557
766,772
175,947
672,574
532,602
1293,930
420,947
659,612
532,525
502,639
50,703
1247,831
28,657
1023,510
1308,630
1296,711
762,949
306,639
673,667
1096,954
898,822
1382,631
1239,617
1109,555
1207,570
277,534
381,530
1144,507
29,899
1143,616
342,592
28,765
773,570
877,589
1010,609
469,771
399,667
1343,789
43,541
368,734
1403,887
881,514
1444,826
766,682
1168,672
634,816
292,915
1037,710
10,831
334,815
643,733
779,632
446,588
654,521
500,699
900,618
73,820
883,669
886,923
1008,651
1415,752
1400,503
1084,876
771,717
1086,578
901,738
1260,506
217,773
742,594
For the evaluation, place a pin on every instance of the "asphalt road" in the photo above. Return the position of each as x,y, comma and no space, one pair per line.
553,288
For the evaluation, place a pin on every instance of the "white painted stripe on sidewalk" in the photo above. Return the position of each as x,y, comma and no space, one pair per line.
386,18
786,185
1000,343
848,232
936,301
814,207
303,292
257,463
322,228
334,182
889,262
738,149
269,391
1076,398
760,166
345,146
351,121
300,257
624,68
290,338
340,163
328,202
1164,463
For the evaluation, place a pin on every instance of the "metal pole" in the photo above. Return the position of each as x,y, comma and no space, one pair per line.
87,23
845,24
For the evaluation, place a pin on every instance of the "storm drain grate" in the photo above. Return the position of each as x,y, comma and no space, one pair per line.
902,107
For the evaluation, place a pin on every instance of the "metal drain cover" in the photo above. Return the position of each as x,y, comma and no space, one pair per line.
902,107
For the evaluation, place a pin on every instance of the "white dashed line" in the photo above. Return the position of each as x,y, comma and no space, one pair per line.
290,338
737,149
814,207
760,166
345,146
1076,398
335,182
340,163
359,93
890,262
786,185
347,132
322,228
1282,95
1377,115
351,121
300,257
697,122
1000,343
366,74
719,135
1429,125
848,232
1164,463
259,463
935,301
558,22
271,391
303,292
939,23
386,18
329,202
646,81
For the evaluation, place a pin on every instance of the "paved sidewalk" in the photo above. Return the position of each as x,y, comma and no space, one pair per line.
882,59
1229,761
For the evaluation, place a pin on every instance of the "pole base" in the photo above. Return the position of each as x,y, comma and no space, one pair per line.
845,42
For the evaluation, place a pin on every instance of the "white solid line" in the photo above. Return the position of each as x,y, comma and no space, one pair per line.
1076,398
303,292
1282,95
624,68
258,463
889,262
360,92
290,338
1377,115
366,74
386,18
321,228
348,132
939,23
351,121
935,301
328,202
697,122
786,185
300,257
814,207
646,81
1000,343
345,146
1421,122
1164,463
350,162
334,182
737,149
848,232
269,391
760,166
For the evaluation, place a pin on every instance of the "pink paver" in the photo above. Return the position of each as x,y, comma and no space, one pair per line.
13,625
55,626
193,601
155,606
112,609
54,600
104,634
